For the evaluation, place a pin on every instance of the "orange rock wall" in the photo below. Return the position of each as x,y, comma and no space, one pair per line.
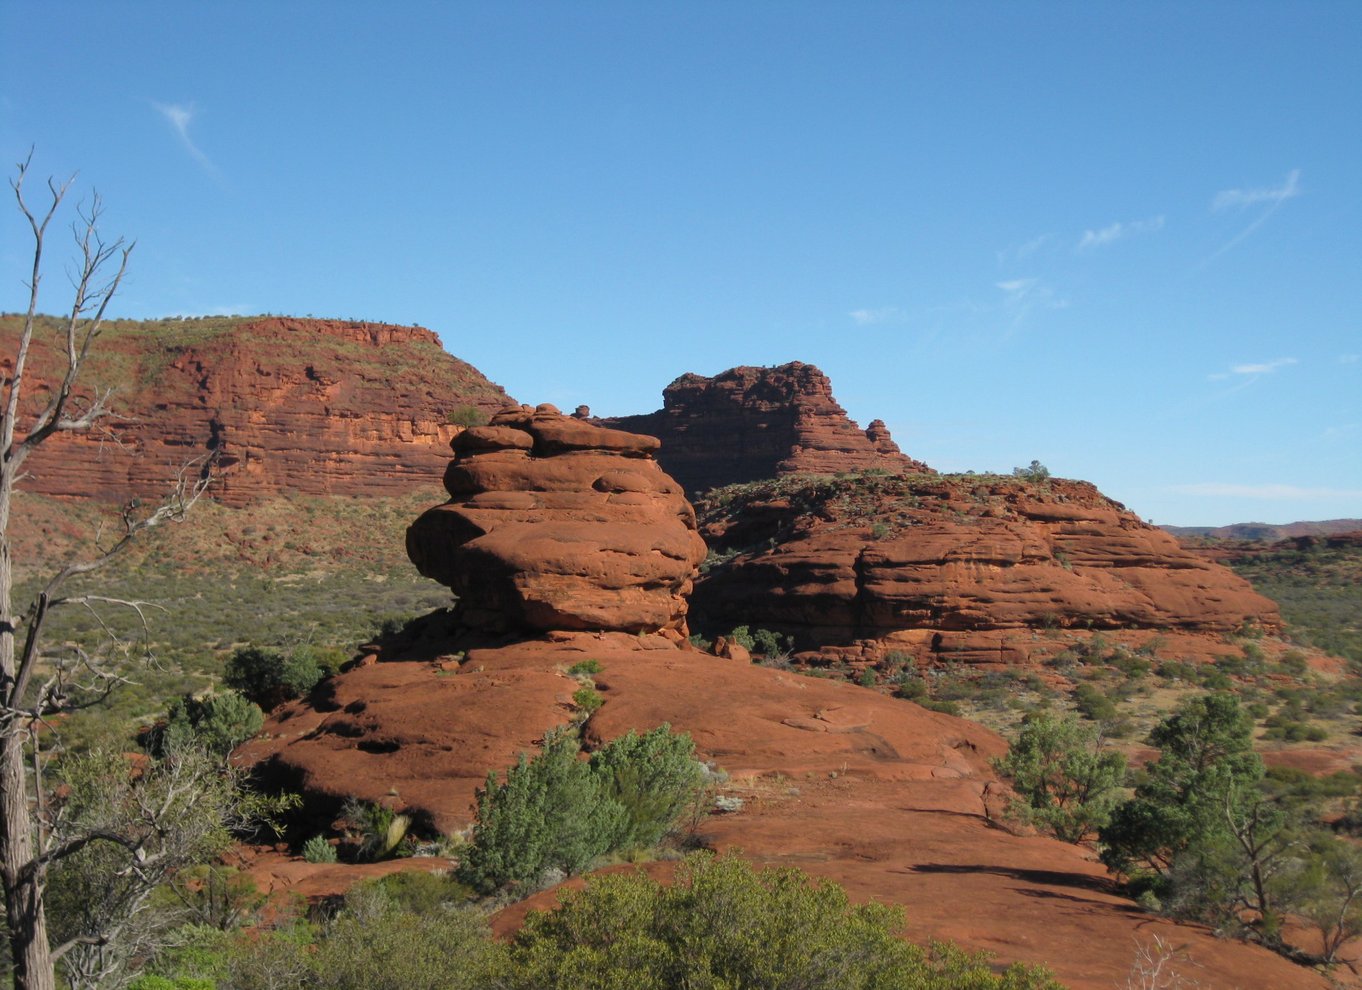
947,567
309,406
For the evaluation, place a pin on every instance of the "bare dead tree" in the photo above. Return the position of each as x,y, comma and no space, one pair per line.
34,686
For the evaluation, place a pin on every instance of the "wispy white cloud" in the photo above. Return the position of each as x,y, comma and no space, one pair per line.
1020,252
1024,296
1117,231
1253,370
1216,489
1228,199
881,314
1263,368
180,116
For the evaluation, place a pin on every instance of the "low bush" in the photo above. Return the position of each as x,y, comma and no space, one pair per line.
218,723
318,850
587,698
271,677
724,923
558,812
1093,704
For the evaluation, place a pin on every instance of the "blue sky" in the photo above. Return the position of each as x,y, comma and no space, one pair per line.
1123,239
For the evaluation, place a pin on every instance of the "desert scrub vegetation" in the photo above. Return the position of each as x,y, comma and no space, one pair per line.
1319,590
723,923
555,813
1209,836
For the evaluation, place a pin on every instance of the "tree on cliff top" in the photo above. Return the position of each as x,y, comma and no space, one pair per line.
35,685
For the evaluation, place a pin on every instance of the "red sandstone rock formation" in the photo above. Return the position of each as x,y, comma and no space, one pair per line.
548,518
558,524
753,423
954,568
310,406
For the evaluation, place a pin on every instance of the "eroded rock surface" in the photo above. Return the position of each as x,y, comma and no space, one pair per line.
967,568
750,423
895,802
556,524
317,407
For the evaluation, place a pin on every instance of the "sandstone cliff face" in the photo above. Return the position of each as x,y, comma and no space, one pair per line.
310,406
751,423
556,524
958,568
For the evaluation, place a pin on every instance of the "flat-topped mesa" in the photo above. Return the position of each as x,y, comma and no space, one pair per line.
556,524
749,423
289,406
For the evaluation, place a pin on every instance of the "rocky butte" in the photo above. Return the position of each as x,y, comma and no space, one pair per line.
977,569
546,533
750,423
289,405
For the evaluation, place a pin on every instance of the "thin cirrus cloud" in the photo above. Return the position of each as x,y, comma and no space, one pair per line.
180,116
1228,199
1119,231
1216,489
1238,199
881,314
1253,371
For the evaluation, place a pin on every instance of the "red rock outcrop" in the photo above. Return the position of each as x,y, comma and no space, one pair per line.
752,423
556,524
966,568
292,405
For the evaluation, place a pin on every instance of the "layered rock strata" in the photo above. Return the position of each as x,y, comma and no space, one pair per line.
321,407
753,423
967,568
556,524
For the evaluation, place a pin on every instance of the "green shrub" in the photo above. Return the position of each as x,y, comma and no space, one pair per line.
218,723
547,814
585,667
1059,767
557,812
724,923
910,686
1093,704
771,645
318,850
374,944
466,416
270,677
587,698
945,707
653,777
743,637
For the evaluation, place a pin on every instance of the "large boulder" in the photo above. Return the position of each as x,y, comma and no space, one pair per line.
556,524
